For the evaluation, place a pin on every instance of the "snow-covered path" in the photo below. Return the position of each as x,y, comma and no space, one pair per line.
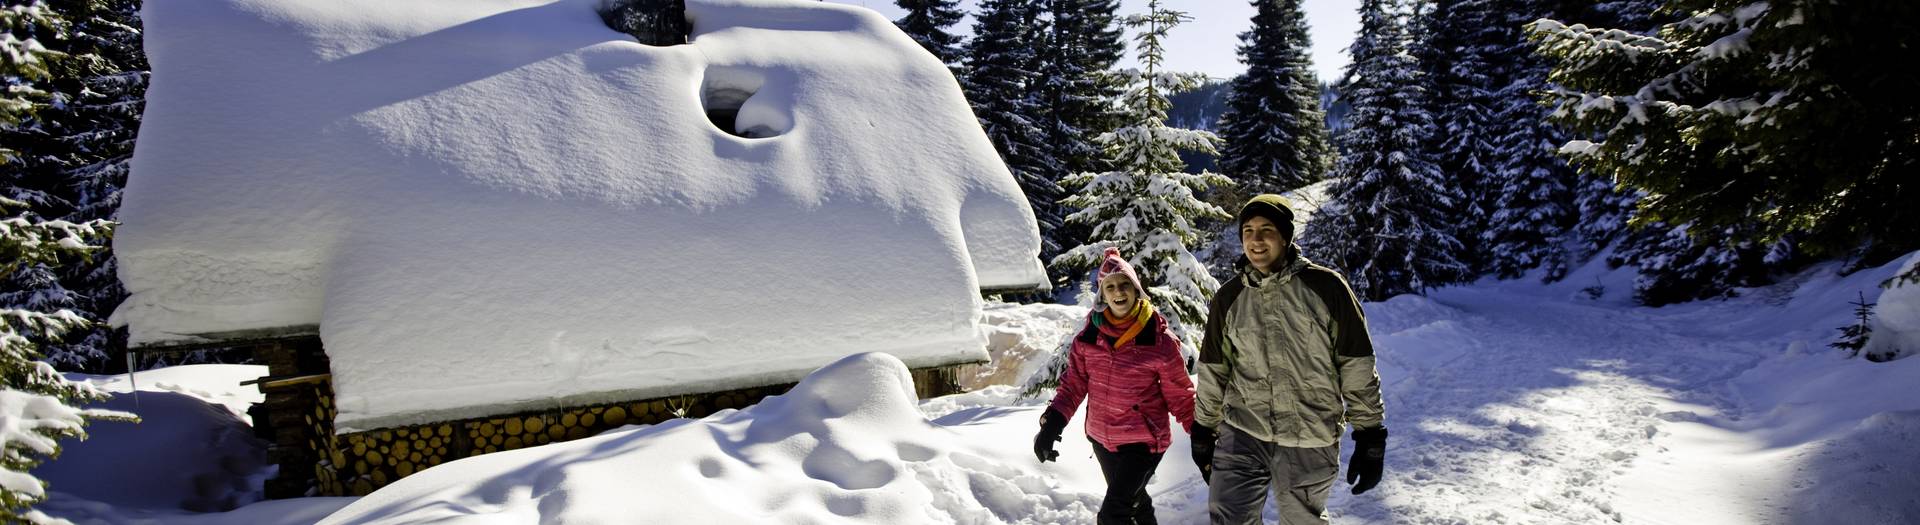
1514,409
1519,403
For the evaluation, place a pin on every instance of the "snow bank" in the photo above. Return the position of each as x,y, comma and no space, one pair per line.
505,204
209,460
193,450
847,445
1020,340
1896,321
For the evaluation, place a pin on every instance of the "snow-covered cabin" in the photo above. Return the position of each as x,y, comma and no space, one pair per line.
502,213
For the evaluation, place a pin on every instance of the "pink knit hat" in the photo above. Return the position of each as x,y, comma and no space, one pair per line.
1113,263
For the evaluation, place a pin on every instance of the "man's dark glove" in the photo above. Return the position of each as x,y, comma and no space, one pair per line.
1203,442
1051,424
1369,452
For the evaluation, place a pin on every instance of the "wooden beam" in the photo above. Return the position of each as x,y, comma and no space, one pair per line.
270,383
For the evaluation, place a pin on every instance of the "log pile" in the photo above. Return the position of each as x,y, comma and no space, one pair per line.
355,464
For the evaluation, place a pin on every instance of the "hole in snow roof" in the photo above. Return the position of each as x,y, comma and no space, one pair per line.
733,100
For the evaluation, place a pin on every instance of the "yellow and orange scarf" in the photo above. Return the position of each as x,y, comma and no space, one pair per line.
1125,327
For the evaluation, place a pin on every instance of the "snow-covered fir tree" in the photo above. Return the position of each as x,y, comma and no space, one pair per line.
929,23
72,162
1531,189
1457,44
1767,122
38,405
1389,224
1146,205
1076,89
1077,84
1274,133
1001,64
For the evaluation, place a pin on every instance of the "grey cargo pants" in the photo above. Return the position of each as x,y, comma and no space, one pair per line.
1243,468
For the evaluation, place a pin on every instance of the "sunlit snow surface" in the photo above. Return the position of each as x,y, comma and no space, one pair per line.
493,206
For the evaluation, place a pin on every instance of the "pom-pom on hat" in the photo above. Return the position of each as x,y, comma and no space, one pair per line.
1112,263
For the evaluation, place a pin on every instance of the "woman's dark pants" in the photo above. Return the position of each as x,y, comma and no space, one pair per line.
1127,471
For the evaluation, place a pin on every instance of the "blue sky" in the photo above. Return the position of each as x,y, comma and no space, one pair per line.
1207,43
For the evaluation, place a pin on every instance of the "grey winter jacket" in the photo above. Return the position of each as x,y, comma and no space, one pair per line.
1286,357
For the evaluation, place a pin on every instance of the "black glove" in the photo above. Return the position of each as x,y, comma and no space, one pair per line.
1051,423
1369,452
1203,442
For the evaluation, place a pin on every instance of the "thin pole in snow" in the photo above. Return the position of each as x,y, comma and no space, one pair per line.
133,383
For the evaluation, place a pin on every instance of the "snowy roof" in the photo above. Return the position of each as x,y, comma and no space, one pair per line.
504,205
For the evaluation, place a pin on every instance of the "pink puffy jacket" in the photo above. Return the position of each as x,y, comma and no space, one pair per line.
1129,390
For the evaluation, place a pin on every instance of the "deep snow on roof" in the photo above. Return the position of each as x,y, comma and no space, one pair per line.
494,206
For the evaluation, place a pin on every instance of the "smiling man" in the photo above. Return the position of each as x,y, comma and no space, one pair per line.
1285,361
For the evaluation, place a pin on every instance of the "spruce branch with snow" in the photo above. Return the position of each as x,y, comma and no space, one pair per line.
24,59
73,159
1146,206
38,406
1783,115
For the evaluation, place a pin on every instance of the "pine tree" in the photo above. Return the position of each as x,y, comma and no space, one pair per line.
1389,225
72,164
38,404
1077,84
1532,189
999,80
1146,206
1854,336
927,21
1076,90
1274,131
1771,120
1458,44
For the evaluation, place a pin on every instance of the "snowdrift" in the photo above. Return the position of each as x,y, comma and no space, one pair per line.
505,204
847,445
